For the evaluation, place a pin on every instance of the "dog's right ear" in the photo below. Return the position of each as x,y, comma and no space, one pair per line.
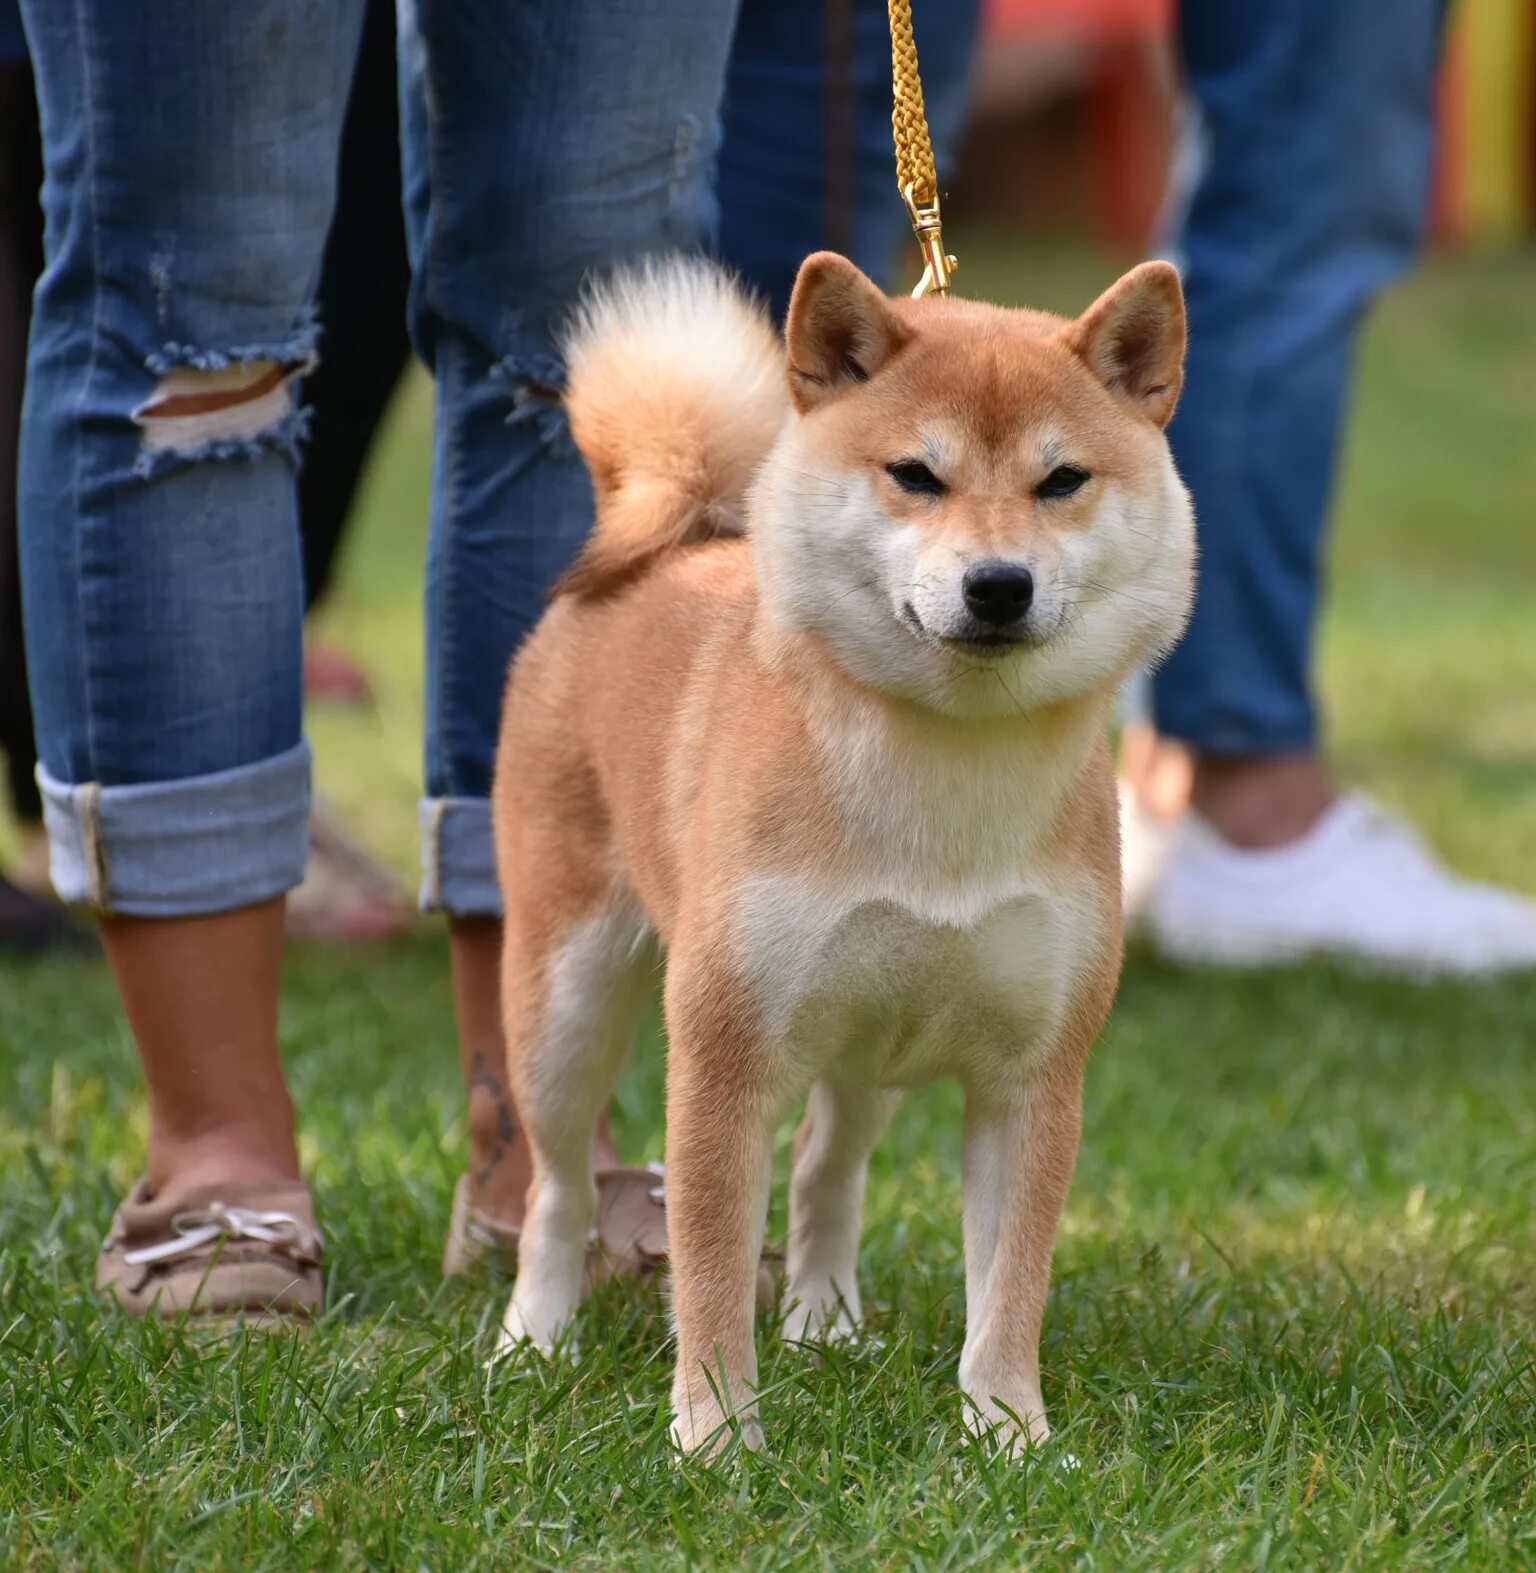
840,331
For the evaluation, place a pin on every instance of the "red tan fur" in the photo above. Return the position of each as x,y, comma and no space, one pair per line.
875,844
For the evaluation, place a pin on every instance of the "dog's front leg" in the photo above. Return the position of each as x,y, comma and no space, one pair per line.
1019,1156
720,1119
826,1205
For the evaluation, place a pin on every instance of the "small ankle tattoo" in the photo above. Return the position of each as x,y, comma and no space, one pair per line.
481,1079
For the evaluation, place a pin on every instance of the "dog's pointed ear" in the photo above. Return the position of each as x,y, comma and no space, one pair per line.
1132,338
840,330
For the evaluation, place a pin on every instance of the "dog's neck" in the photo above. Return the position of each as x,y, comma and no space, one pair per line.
945,799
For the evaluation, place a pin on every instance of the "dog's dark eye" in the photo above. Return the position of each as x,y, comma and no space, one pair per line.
912,475
1062,481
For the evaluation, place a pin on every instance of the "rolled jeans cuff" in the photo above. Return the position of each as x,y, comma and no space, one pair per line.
172,849
458,858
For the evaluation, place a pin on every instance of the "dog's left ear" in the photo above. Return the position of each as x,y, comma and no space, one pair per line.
840,331
1132,338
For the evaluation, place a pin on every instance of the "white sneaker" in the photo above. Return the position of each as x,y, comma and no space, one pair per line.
1360,885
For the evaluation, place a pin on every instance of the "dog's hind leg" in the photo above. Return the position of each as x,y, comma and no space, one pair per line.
826,1205
571,1006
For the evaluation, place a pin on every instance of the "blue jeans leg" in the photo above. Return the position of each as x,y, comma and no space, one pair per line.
543,141
190,174
1312,167
788,183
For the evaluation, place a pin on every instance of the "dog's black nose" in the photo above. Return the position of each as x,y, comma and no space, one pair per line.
998,593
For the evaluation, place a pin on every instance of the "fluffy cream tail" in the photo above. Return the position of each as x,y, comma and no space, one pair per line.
676,391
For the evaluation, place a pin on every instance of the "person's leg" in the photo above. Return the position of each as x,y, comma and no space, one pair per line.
564,136
500,1165
807,160
159,534
1315,128
1314,142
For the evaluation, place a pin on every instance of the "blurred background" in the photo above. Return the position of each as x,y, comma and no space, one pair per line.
1076,103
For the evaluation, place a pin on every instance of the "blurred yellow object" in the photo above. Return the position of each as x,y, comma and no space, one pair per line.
1488,122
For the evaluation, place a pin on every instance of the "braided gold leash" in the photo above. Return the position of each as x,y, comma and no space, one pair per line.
916,177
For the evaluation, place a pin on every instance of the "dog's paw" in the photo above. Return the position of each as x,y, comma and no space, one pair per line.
820,1314
707,1421
709,1438
1009,1429
511,1359
536,1333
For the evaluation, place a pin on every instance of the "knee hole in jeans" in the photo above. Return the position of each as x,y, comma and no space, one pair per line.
211,411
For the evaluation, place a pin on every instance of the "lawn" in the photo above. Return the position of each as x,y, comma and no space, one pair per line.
1296,1282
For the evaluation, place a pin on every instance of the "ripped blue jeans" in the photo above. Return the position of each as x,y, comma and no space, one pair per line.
190,184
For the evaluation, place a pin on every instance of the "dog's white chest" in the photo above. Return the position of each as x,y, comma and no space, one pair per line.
869,986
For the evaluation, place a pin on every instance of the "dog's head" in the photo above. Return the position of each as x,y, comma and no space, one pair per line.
976,508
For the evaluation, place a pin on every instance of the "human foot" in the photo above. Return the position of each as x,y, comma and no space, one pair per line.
1359,884
216,1251
629,1235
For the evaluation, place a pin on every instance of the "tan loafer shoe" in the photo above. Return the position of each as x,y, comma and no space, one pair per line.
475,1236
630,1235
217,1253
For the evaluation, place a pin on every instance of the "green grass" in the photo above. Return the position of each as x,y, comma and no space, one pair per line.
1292,1319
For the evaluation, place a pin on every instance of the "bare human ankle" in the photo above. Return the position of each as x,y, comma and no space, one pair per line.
499,1168
499,1160
187,1165
1260,802
499,1165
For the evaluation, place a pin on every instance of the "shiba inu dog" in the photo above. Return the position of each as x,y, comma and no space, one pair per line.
820,715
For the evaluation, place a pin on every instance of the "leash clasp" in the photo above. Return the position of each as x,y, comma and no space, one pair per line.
928,226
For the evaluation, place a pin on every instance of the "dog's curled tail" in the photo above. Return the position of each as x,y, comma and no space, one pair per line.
675,390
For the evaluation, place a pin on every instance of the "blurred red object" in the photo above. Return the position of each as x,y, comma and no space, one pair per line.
333,677
1076,105
1075,112
1114,17
1447,198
